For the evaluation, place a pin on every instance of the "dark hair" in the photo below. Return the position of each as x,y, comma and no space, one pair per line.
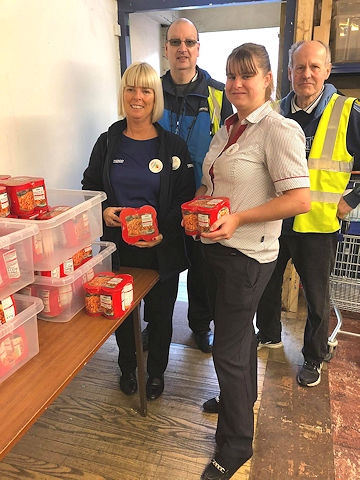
242,60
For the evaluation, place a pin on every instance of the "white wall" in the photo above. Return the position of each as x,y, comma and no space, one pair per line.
59,75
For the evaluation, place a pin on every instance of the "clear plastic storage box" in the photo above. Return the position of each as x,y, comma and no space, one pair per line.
65,297
19,340
16,256
69,231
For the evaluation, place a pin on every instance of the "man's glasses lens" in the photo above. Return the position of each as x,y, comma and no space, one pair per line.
176,42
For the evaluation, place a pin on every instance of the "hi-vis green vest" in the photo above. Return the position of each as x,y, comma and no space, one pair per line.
215,102
330,167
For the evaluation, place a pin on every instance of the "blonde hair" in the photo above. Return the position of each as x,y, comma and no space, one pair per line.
242,60
141,74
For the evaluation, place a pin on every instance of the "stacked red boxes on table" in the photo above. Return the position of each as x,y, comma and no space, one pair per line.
18,313
66,251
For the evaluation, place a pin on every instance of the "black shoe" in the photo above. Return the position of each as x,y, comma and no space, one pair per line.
145,338
310,374
212,405
216,471
204,341
154,387
128,383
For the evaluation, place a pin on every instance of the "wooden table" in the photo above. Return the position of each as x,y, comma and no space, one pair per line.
64,349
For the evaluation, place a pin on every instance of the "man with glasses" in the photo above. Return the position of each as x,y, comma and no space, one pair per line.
195,107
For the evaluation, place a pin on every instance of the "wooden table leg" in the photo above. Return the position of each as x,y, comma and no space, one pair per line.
140,361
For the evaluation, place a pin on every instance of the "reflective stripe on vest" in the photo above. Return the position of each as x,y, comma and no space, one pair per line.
215,102
330,167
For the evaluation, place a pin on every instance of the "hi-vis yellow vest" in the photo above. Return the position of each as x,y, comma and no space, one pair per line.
215,102
330,167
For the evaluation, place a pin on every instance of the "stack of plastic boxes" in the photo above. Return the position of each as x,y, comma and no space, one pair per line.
18,334
59,239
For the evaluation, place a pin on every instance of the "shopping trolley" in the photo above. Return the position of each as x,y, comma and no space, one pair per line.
345,278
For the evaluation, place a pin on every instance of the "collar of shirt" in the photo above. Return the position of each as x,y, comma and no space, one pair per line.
309,108
253,117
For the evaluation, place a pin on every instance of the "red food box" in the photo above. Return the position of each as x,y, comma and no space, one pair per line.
139,224
9,266
21,196
4,202
7,309
201,212
39,192
117,296
13,350
50,297
93,292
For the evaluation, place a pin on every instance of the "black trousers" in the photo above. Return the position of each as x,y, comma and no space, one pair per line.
199,310
313,255
235,287
158,310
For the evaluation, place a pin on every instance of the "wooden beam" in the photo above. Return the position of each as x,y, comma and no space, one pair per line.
322,32
304,20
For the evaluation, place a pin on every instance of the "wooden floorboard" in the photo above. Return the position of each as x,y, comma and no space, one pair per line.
93,431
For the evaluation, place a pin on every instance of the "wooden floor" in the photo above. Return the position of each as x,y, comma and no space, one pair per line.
94,432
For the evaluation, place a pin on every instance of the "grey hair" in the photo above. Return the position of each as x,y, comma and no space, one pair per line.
295,46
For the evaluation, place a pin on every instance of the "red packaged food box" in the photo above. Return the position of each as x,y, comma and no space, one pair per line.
21,196
51,300
82,256
201,212
13,350
7,309
9,266
117,296
93,292
139,224
4,202
66,268
39,192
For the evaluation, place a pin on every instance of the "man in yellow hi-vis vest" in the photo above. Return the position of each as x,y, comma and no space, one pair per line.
331,124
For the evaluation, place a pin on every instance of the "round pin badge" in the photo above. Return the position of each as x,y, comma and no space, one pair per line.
155,165
176,162
232,149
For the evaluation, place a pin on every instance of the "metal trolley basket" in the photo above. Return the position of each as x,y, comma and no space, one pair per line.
345,278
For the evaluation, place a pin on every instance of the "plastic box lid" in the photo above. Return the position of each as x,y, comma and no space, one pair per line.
61,236
101,250
78,200
13,231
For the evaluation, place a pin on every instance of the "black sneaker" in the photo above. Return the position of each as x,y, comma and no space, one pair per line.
261,342
212,405
310,374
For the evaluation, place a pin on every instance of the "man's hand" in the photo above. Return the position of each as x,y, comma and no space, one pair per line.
343,208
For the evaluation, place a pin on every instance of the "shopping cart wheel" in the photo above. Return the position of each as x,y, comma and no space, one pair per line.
332,344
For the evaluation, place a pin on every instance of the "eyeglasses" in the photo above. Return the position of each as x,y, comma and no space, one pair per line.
176,42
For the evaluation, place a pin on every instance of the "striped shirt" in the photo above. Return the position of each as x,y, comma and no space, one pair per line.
266,160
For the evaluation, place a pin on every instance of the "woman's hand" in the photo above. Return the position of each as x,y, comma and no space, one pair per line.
111,216
149,243
223,228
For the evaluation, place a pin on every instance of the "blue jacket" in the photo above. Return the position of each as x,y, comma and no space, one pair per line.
191,118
